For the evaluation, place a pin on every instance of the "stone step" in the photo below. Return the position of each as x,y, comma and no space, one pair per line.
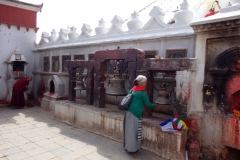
108,122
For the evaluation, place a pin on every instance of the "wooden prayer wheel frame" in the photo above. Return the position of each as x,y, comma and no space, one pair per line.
134,58
168,65
72,66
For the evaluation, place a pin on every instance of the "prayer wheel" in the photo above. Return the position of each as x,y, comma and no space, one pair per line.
116,86
80,86
163,97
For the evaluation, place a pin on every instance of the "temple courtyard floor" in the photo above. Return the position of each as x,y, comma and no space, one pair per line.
33,133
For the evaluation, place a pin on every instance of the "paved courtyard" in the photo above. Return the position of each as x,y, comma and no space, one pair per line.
33,133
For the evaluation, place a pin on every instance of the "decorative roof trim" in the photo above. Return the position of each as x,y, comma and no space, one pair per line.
156,14
22,5
219,17
217,26
86,32
224,20
178,31
116,27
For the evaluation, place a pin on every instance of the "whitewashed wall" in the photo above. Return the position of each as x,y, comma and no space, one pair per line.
10,39
159,45
155,35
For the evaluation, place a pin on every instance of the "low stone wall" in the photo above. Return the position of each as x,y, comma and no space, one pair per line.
48,104
108,122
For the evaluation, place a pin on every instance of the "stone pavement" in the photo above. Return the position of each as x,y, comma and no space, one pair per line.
33,133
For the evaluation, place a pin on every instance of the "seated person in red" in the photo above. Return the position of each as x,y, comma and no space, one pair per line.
18,92
212,10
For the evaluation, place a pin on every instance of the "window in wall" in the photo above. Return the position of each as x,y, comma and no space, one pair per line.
91,57
46,64
18,66
55,63
64,62
150,54
79,57
176,53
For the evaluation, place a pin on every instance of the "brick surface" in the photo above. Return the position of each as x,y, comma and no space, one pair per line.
17,156
34,134
10,151
36,151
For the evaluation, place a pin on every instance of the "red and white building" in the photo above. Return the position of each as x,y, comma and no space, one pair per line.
18,28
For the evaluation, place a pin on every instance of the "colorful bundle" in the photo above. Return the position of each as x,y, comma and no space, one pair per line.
236,113
177,123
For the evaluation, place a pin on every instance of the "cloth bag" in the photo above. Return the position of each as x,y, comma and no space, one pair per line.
125,102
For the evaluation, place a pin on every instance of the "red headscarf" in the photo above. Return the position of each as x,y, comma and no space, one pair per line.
138,88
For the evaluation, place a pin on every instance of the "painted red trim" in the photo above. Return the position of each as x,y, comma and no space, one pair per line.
36,29
17,17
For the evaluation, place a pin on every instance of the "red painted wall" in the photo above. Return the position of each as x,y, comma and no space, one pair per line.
232,86
231,132
18,17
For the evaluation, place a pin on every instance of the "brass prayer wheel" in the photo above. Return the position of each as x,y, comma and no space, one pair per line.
80,86
116,86
163,97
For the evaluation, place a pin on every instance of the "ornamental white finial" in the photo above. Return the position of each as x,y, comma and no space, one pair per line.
101,29
184,5
134,15
101,22
73,33
53,33
134,23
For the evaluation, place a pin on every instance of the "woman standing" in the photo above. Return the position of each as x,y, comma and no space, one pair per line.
132,124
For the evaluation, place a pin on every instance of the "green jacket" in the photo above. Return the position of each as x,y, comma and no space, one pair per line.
140,99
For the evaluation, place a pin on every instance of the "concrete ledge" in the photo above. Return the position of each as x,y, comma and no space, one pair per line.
48,104
108,122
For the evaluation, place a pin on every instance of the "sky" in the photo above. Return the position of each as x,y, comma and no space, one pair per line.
57,14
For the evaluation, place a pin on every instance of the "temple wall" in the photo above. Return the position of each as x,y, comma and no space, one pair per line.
159,45
211,36
10,39
211,118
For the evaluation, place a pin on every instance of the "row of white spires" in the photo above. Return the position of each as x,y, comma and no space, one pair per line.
182,17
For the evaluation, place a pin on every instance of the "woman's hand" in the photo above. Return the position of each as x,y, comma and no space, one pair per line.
26,87
157,105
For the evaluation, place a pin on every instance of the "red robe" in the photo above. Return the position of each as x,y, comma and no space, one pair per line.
210,14
18,92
